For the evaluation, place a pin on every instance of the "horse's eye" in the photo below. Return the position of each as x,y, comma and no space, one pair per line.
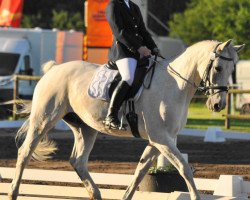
218,68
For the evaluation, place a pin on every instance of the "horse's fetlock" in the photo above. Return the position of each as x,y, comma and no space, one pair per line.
95,195
12,196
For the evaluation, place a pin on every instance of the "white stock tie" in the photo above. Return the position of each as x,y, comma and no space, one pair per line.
127,3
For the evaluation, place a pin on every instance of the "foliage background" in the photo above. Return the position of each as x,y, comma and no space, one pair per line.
214,19
47,14
65,14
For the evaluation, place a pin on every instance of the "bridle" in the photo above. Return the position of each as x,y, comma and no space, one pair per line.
207,74
206,86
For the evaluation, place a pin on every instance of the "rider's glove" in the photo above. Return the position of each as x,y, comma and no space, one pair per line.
156,52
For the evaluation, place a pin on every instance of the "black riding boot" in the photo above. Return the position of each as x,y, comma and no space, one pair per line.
116,101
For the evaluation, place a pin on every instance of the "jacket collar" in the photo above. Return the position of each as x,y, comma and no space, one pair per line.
130,9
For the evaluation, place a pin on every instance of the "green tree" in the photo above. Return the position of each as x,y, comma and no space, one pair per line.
214,20
47,14
31,21
65,20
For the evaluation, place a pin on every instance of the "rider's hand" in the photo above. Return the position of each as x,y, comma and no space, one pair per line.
144,51
156,52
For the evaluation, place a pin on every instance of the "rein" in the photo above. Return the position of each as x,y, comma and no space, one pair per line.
152,69
205,79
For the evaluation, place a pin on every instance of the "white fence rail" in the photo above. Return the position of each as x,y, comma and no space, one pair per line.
225,188
215,134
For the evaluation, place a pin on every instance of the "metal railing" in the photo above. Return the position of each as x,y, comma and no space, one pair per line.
159,21
230,116
16,100
163,25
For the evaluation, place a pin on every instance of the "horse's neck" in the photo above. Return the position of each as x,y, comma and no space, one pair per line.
191,65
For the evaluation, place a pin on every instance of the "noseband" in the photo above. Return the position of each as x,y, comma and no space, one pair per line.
206,76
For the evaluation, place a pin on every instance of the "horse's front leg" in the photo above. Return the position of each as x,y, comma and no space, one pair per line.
148,156
167,147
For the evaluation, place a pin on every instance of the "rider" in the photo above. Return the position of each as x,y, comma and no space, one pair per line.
131,41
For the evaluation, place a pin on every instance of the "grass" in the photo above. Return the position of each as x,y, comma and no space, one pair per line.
200,117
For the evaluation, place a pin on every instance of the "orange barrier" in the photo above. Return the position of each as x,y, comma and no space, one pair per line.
98,31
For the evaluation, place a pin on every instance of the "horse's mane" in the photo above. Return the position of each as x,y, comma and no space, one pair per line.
200,48
205,43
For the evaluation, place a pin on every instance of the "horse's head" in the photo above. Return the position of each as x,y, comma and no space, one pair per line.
221,66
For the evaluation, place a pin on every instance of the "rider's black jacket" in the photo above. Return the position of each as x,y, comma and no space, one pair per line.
129,32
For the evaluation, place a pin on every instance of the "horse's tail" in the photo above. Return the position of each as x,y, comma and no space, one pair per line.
48,65
44,148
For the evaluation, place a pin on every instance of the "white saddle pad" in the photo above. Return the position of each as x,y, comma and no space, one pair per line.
101,81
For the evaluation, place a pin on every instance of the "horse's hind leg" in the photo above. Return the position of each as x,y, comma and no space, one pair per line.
37,129
149,155
24,155
169,150
84,140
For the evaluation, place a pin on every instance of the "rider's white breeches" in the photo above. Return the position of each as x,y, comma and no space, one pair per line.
126,67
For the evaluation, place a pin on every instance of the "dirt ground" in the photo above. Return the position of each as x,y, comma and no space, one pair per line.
117,155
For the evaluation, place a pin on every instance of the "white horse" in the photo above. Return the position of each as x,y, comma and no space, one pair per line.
162,111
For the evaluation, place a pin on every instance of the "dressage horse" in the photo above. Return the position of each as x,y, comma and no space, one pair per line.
162,111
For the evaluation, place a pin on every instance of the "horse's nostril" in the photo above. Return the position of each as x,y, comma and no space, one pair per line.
216,106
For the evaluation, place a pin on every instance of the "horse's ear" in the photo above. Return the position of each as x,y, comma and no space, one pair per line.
238,48
225,44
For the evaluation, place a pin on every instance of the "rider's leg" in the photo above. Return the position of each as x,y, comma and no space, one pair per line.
126,68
